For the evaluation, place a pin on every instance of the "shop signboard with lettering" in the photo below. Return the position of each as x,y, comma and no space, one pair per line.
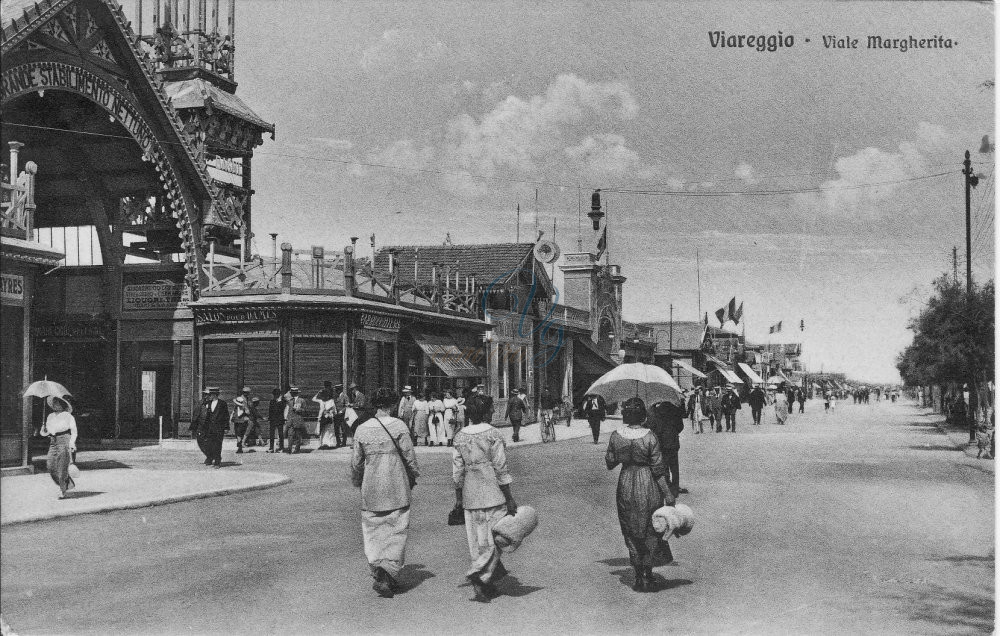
152,296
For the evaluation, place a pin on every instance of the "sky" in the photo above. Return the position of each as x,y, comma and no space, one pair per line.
413,120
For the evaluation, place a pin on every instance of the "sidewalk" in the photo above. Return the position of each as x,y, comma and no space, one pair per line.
35,497
108,485
959,437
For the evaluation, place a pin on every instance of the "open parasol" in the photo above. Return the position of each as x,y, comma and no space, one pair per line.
46,388
649,383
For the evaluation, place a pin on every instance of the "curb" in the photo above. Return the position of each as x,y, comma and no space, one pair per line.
133,504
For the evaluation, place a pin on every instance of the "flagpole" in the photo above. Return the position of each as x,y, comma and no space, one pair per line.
697,257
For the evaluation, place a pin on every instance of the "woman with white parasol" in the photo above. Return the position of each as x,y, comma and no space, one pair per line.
60,428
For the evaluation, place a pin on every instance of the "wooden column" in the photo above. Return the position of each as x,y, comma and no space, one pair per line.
215,16
138,17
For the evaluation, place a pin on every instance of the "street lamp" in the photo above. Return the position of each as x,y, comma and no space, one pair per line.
595,213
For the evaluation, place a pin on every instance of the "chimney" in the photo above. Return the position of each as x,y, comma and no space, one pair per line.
286,268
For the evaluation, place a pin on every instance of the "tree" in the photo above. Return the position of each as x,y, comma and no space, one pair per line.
952,333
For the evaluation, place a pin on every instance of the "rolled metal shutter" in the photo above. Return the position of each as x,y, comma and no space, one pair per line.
315,360
186,388
260,367
219,367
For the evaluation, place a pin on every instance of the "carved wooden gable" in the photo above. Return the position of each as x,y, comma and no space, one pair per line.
75,31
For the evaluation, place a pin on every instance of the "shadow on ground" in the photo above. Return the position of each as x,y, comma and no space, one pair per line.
412,575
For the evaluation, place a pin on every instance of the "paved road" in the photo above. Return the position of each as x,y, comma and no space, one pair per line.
864,521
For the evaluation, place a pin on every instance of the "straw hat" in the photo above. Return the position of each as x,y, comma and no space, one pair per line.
66,405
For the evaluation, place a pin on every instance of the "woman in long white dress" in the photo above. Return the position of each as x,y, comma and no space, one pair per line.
780,407
437,423
450,415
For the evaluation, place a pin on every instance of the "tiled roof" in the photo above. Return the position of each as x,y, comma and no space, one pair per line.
487,262
686,335
198,93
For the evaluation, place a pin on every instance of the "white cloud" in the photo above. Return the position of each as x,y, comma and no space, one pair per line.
876,184
399,49
745,173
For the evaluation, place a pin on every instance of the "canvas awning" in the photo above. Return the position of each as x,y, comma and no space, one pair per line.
731,376
718,363
751,374
447,356
588,359
687,367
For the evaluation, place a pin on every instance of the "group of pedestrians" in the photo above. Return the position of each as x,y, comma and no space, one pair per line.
384,466
715,406
437,417
339,411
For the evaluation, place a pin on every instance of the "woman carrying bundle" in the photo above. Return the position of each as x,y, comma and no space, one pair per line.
482,489
642,488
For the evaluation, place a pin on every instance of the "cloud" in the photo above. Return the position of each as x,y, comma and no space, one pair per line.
556,134
900,191
402,50
339,145
745,173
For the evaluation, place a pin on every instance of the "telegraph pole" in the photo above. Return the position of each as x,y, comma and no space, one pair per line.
971,181
954,263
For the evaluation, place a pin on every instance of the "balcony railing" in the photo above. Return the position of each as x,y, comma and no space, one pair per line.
17,197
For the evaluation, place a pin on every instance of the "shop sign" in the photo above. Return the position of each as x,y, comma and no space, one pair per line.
36,76
152,296
74,330
235,316
12,287
375,321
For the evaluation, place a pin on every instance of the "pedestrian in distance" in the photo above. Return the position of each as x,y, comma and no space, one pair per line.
450,415
437,423
326,398
595,409
702,410
295,423
517,407
780,406
243,420
404,410
355,408
60,428
826,401
757,399
482,490
421,415
730,404
800,397
197,424
715,409
384,467
790,395
549,403
214,426
642,488
833,403
276,421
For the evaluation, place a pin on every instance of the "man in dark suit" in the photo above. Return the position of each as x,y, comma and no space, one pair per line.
730,404
666,421
757,400
214,426
517,406
595,410
197,425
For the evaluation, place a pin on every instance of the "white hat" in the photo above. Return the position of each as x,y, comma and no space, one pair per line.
49,400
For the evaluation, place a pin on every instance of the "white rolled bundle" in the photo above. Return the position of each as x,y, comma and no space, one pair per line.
673,520
510,531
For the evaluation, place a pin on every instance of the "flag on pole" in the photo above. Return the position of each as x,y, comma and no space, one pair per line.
776,328
722,314
728,313
602,243
738,314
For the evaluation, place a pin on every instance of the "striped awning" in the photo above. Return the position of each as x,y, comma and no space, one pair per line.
687,367
751,374
448,357
731,376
